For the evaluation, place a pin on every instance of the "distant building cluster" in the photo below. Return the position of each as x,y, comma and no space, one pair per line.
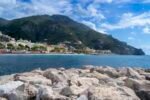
10,45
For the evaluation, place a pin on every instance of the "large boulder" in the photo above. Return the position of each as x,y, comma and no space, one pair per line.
74,90
82,97
55,75
84,81
105,92
73,72
94,74
24,92
141,87
6,78
147,75
111,72
79,85
17,95
37,71
47,93
134,74
2,98
33,78
9,87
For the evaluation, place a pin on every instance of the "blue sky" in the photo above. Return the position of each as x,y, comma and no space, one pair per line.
126,20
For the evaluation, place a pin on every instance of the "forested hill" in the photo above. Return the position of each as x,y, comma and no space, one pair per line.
58,28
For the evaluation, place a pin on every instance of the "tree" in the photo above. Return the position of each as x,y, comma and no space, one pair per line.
10,46
38,48
27,48
20,47
2,46
43,48
58,49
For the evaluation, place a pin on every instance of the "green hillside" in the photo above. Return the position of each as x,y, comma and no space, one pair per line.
58,28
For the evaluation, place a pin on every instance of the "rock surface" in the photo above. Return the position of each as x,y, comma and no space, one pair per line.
88,83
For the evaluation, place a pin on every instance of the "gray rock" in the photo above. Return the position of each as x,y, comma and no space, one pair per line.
84,81
147,76
134,74
141,87
24,92
55,75
2,98
111,72
6,78
82,97
9,87
33,78
91,83
17,95
73,90
105,92
46,93
94,74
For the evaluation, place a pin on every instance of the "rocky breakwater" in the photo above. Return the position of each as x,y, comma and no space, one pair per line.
88,83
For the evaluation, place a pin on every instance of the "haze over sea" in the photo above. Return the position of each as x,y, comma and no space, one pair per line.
10,64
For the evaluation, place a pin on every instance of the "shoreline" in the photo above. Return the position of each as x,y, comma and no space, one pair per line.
67,54
45,54
85,83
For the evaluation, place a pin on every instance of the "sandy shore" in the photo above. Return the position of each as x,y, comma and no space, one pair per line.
88,83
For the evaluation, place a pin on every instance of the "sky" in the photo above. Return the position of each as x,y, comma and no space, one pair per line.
126,20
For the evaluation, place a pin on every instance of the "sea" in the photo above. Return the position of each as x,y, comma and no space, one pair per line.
17,63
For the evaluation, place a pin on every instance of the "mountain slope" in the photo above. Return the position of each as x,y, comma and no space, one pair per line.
58,28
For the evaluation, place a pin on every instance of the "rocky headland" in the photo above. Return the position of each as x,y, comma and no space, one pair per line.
88,83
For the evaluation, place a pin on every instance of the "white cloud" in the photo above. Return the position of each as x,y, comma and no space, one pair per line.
92,12
146,1
113,1
7,2
50,6
103,1
146,48
146,30
90,24
88,12
18,8
81,11
94,27
127,15
95,12
90,15
128,20
131,38
101,30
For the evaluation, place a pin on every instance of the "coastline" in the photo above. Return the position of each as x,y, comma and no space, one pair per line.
61,54
87,83
65,54
44,54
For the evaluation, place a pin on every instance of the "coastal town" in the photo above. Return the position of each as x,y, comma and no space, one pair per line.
9,45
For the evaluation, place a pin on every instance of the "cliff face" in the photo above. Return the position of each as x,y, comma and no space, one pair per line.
57,28
89,83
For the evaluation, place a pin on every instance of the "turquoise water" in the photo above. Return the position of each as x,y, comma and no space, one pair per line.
20,63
